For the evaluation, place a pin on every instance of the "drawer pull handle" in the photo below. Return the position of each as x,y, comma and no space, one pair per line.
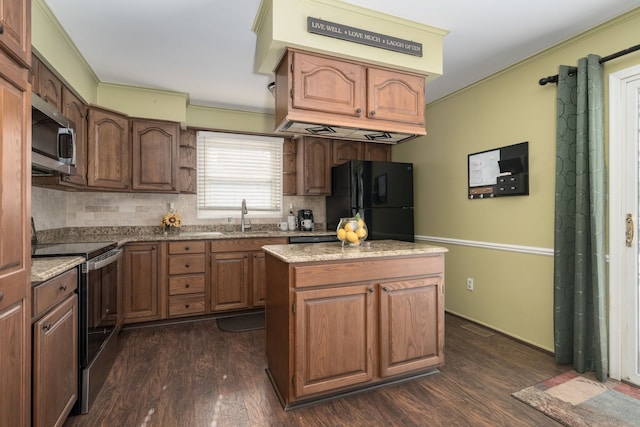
63,288
46,326
186,285
1,296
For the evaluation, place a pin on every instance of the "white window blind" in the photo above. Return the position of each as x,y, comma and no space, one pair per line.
232,167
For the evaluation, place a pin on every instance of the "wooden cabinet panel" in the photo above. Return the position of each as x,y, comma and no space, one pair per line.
53,291
187,179
314,166
186,305
327,85
14,356
259,285
186,264
155,155
55,364
344,151
49,86
379,152
76,111
289,167
329,360
187,284
229,281
409,325
186,247
395,96
140,283
15,38
108,150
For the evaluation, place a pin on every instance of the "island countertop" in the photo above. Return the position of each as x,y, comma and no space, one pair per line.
332,251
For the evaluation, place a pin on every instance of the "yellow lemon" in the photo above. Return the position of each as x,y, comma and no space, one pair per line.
348,226
352,236
342,234
360,223
361,233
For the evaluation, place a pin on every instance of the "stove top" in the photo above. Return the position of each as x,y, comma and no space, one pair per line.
86,249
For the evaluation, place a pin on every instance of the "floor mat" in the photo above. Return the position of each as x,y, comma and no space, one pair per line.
242,322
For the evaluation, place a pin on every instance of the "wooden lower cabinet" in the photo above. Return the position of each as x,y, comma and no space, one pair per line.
187,278
141,296
55,364
326,335
259,285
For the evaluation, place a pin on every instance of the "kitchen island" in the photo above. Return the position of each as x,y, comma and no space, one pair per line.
345,319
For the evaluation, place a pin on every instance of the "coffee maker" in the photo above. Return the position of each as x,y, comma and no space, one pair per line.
305,220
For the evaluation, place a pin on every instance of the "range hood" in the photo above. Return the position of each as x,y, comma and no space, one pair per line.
340,132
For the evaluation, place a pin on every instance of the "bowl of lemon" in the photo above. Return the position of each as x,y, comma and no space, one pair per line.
352,231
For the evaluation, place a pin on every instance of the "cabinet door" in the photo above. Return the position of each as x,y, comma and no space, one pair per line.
334,333
108,150
55,364
327,85
76,111
140,283
314,167
379,152
49,86
155,155
15,18
411,329
344,151
395,96
259,285
15,289
229,281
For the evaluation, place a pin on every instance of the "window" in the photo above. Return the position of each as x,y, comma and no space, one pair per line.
234,167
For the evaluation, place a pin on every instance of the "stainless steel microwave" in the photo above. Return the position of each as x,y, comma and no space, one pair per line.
53,140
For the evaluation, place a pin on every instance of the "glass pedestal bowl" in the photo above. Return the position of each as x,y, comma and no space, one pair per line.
352,231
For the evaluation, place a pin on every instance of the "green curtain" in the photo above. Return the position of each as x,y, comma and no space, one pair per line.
580,328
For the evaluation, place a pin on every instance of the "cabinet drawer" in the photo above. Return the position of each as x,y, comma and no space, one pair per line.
54,290
185,264
243,245
186,248
191,284
185,305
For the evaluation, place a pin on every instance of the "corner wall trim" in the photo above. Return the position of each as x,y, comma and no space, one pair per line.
531,250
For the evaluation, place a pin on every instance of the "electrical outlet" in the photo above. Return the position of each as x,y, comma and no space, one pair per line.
469,283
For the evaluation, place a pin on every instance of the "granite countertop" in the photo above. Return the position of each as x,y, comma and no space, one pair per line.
334,251
46,268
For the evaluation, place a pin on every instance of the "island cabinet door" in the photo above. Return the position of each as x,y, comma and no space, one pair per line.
411,329
333,338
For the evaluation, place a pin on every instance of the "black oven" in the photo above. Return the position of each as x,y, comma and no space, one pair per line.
100,316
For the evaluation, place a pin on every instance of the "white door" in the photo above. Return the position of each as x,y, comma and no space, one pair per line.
624,218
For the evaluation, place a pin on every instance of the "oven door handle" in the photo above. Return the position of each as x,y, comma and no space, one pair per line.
97,265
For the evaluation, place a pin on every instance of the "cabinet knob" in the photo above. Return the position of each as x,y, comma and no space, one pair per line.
370,290
186,285
63,288
373,113
384,288
186,248
46,326
186,265
358,111
186,306
1,29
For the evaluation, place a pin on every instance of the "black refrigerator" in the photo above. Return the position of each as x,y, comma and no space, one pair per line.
382,192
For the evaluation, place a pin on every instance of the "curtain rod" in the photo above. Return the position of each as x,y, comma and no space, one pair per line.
554,79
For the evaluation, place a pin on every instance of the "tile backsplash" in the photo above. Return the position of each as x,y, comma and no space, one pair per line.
53,209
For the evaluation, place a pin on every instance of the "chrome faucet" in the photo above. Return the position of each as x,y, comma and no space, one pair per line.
243,211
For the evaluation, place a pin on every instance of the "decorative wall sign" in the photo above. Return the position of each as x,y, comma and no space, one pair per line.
369,38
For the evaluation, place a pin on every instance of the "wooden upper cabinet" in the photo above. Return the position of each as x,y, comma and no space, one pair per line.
48,86
313,166
378,152
344,151
15,37
76,111
289,167
328,85
108,150
395,96
325,90
155,155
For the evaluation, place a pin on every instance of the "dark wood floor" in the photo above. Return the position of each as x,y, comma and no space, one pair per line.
193,374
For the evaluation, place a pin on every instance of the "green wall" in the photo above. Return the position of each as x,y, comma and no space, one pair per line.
505,244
